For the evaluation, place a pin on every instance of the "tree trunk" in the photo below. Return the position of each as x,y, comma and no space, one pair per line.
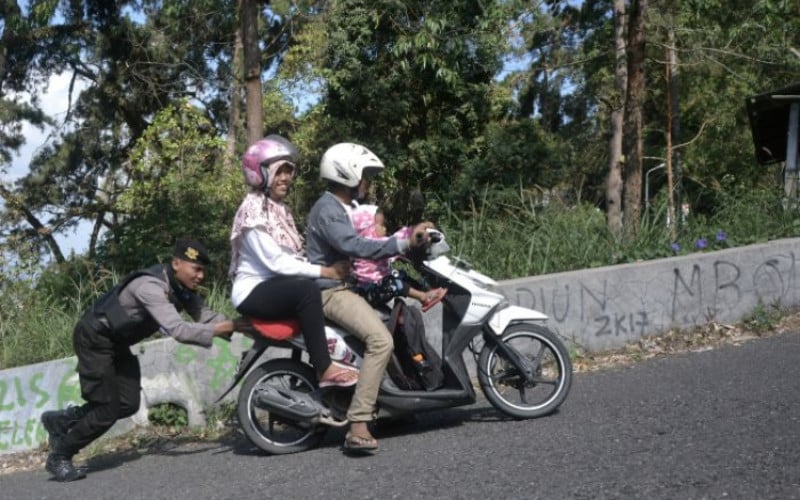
236,100
632,143
672,129
614,179
674,155
252,69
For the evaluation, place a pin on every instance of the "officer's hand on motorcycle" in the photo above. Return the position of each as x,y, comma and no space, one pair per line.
240,324
338,271
224,329
419,234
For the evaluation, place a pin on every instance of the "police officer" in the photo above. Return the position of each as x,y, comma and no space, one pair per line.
144,302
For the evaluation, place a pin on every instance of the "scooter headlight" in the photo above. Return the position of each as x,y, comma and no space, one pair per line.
437,245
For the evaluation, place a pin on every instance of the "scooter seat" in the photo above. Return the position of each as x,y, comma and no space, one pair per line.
276,330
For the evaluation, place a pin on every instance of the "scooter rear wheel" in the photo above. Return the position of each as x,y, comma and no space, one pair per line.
272,433
506,388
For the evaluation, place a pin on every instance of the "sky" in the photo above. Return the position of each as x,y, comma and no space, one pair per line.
55,102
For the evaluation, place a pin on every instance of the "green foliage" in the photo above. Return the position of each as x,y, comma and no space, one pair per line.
131,69
178,187
217,296
34,327
523,233
506,234
423,84
764,318
168,415
60,281
12,116
410,80
510,234
37,316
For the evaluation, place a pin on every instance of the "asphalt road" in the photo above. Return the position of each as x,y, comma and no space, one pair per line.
723,423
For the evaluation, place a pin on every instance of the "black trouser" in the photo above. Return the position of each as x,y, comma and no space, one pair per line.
110,383
289,297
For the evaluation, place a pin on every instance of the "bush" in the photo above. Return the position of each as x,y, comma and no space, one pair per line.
37,317
509,234
34,326
168,415
506,234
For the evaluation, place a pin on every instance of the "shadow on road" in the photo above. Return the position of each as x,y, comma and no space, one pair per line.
161,446
421,423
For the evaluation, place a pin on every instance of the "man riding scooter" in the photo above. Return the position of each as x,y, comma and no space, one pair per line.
331,237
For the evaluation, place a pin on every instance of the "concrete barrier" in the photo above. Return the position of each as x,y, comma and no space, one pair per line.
606,308
596,309
189,376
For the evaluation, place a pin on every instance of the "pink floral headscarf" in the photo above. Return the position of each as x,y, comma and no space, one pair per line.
258,210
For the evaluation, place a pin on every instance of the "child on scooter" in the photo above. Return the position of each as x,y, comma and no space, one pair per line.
376,280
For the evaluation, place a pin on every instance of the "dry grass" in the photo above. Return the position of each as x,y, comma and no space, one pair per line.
709,336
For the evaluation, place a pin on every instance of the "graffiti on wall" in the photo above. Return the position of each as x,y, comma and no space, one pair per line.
25,393
698,292
221,367
28,395
770,282
588,304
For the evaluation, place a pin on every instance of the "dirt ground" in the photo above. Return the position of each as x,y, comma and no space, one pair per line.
699,339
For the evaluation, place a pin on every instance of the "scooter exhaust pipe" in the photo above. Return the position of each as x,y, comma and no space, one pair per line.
287,403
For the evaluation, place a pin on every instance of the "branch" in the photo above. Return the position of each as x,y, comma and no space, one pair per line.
46,233
697,136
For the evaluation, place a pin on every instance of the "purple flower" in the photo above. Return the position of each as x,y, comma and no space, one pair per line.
676,247
701,243
721,235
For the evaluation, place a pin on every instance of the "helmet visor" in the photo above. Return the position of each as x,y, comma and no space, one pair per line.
370,172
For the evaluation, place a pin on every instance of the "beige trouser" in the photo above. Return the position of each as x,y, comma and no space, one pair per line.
350,311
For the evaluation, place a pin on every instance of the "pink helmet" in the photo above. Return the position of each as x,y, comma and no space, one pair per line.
262,153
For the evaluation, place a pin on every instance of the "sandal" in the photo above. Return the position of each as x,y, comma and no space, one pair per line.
343,377
359,444
434,297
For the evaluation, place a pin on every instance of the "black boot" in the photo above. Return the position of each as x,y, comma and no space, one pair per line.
60,466
57,424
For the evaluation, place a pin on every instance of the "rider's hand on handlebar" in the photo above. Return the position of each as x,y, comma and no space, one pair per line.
419,234
338,271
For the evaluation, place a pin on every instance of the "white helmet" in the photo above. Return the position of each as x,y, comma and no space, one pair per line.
346,163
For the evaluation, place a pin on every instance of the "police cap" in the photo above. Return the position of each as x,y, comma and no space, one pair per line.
191,251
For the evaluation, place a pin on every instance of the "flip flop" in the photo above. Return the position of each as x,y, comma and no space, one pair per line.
359,444
434,297
341,378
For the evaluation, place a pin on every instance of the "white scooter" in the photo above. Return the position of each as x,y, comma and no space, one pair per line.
523,368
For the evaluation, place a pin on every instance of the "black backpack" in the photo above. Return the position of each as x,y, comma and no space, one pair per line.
415,364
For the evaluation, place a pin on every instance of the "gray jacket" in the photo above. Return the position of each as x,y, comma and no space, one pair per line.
143,303
331,237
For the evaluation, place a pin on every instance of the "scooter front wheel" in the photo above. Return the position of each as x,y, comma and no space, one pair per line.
507,388
272,433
